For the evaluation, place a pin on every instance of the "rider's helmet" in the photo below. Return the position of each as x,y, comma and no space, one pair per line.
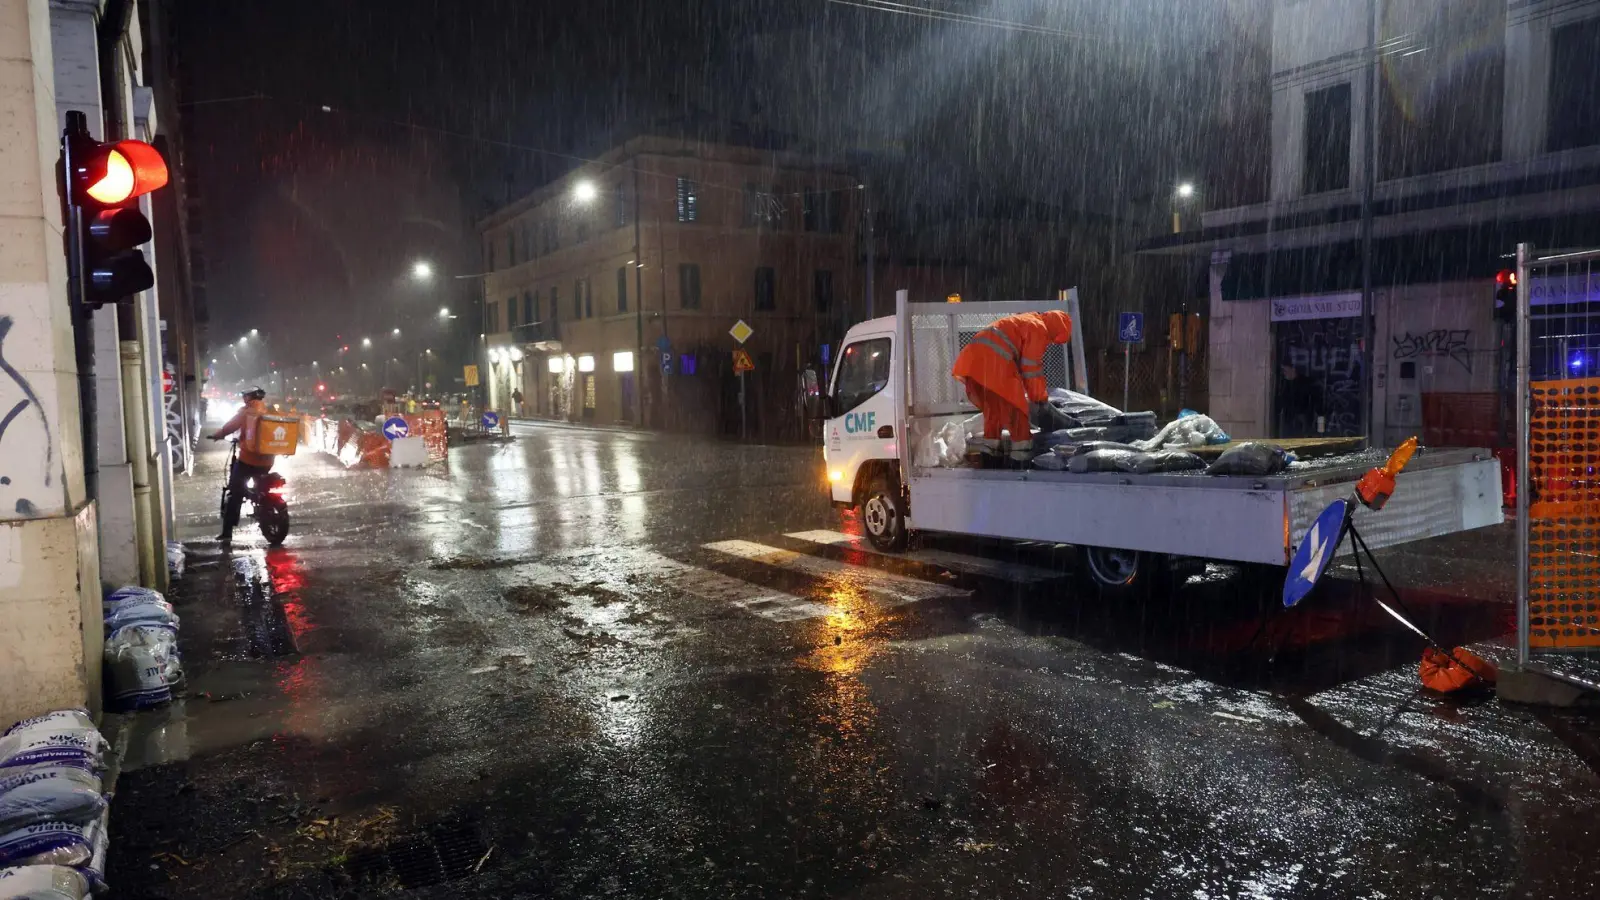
254,393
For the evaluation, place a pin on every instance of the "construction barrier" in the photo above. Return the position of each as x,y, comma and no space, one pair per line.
1564,515
355,444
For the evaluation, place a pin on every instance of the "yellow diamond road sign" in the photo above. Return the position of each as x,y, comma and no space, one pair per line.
741,332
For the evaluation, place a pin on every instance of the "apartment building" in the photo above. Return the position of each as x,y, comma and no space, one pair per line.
1484,133
610,292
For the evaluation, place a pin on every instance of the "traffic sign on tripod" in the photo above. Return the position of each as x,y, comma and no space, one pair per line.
490,420
395,428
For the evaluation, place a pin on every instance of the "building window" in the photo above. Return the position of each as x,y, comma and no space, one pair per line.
529,315
552,237
1574,119
622,289
761,207
822,289
688,200
491,318
511,313
1327,139
527,242
765,288
533,315
555,304
821,212
511,247
1443,88
582,229
689,286
588,298
577,298
622,205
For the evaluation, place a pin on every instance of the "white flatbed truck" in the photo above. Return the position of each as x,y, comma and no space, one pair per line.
891,387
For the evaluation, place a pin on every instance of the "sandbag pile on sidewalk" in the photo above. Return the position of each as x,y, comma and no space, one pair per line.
177,559
52,809
142,665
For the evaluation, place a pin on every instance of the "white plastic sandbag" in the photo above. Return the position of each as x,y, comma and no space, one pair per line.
138,666
177,560
48,794
42,883
1195,430
54,743
56,844
76,717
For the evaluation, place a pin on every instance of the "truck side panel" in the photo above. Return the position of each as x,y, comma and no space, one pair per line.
1220,523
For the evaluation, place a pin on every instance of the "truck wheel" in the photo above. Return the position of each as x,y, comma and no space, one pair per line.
1122,573
883,513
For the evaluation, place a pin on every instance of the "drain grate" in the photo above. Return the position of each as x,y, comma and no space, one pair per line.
437,855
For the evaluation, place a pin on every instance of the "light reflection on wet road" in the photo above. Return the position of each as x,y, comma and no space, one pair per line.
638,666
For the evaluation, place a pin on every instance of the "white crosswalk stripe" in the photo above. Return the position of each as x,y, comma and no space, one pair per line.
896,589
1014,572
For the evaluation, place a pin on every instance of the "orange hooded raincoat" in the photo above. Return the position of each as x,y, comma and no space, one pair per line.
1003,369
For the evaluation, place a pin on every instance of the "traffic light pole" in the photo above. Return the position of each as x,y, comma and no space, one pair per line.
82,317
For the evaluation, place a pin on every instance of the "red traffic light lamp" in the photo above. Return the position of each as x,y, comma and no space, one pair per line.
1505,295
100,185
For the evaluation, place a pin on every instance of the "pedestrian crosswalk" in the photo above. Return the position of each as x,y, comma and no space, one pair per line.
891,588
1005,570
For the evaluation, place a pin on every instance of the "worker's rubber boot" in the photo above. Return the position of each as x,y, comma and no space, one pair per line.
982,452
1021,453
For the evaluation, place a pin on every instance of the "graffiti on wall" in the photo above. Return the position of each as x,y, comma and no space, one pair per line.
172,410
23,428
1440,343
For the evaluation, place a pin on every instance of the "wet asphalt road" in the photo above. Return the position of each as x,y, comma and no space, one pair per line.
599,664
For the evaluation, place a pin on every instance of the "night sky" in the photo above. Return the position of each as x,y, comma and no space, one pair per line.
440,110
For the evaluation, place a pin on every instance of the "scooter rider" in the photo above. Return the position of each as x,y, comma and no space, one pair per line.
249,464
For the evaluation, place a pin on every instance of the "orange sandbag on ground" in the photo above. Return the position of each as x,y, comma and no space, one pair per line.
1447,673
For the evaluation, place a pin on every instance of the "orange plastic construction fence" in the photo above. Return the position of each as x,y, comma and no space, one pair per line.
1564,515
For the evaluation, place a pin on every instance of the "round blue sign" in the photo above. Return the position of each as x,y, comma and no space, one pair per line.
395,428
491,420
1316,550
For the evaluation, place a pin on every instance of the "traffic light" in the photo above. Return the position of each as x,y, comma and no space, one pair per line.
1505,295
101,186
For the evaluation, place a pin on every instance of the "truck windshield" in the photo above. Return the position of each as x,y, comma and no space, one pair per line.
863,371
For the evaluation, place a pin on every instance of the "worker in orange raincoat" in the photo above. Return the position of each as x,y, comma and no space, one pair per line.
1003,371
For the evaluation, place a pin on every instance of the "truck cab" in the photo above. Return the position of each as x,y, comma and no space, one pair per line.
861,431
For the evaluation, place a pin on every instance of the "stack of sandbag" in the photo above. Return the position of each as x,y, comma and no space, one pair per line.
1073,418
142,665
52,809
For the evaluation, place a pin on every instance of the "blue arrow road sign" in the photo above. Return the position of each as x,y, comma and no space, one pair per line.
395,428
1316,550
491,420
1130,327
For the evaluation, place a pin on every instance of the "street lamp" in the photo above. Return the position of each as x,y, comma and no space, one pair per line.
255,332
585,191
395,333
366,342
1182,195
421,270
444,312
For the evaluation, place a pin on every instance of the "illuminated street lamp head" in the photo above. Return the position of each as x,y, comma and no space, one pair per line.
243,341
366,342
585,191
1185,190
421,270
444,312
395,332
254,332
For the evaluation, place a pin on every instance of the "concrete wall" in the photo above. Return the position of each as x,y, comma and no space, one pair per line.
49,583
1447,333
1238,355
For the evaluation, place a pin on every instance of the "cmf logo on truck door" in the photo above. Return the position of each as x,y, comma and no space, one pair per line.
861,422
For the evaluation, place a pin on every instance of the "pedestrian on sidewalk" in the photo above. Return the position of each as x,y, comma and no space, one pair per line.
516,400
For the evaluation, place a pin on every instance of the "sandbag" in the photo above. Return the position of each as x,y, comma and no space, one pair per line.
1251,458
139,666
42,883
177,560
77,717
1050,462
1070,450
60,744
1447,673
1136,461
1080,407
141,611
48,794
81,846
1192,430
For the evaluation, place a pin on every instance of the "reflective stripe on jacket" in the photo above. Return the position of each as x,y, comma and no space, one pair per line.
1007,357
